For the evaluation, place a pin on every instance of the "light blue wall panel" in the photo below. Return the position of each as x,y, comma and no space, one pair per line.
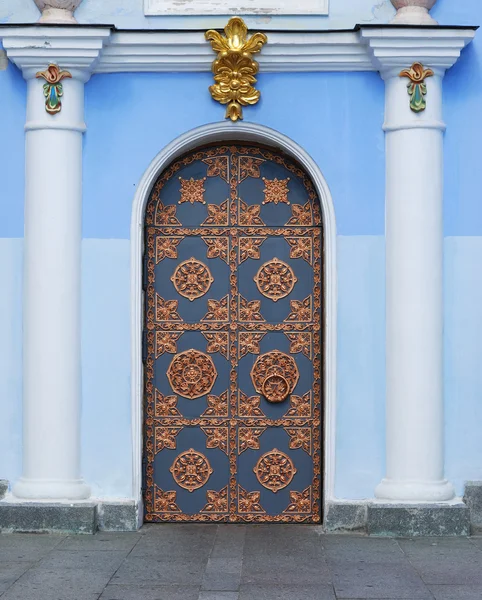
463,359
360,423
106,405
11,358
12,152
463,140
335,117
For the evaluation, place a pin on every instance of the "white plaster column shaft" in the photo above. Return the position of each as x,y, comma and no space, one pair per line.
52,260
414,295
51,323
414,261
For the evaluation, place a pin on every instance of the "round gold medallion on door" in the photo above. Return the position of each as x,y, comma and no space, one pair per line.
275,279
275,375
192,374
192,279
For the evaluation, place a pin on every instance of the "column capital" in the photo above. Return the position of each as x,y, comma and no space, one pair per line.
74,48
394,47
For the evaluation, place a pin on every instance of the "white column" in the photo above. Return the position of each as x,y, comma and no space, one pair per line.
414,295
51,309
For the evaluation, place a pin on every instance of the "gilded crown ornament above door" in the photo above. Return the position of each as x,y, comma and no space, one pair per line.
235,69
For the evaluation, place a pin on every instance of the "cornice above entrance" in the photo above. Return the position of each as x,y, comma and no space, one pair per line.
104,49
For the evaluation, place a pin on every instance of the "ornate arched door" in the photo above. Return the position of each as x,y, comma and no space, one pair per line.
233,340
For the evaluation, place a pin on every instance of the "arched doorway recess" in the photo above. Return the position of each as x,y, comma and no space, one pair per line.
268,224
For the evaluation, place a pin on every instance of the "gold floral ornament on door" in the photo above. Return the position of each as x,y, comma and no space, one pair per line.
275,279
235,69
191,470
192,374
192,279
275,470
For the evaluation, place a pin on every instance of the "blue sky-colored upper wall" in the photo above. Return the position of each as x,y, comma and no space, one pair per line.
463,115
336,117
12,152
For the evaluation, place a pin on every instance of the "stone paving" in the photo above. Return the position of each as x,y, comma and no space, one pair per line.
230,562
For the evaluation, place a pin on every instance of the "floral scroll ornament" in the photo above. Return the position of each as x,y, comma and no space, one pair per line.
53,89
417,88
234,69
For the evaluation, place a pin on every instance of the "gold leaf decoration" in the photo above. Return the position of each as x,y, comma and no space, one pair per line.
234,68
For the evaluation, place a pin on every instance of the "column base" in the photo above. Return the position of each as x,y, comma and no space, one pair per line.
20,516
473,499
414,520
51,489
415,491
398,519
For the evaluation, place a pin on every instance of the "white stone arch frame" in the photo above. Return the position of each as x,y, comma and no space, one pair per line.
218,132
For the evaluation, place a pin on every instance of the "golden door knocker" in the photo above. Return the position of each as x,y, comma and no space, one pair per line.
275,375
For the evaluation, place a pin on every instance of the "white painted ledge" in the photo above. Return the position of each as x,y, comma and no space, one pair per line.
106,50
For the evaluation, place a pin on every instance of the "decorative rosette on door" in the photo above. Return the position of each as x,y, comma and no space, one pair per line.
233,347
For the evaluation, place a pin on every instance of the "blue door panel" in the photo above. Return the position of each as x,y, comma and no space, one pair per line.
233,340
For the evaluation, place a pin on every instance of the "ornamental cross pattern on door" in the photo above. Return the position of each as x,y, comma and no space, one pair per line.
233,340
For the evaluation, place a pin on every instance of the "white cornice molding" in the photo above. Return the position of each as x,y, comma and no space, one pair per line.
104,50
76,49
395,48
189,52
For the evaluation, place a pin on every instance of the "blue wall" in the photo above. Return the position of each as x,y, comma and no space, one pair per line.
337,118
463,141
12,158
12,151
156,108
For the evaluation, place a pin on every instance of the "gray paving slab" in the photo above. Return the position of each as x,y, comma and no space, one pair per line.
286,592
218,596
49,584
27,547
445,561
10,572
100,542
229,542
171,547
456,592
280,570
222,574
104,561
283,540
365,579
476,540
137,592
146,570
354,548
